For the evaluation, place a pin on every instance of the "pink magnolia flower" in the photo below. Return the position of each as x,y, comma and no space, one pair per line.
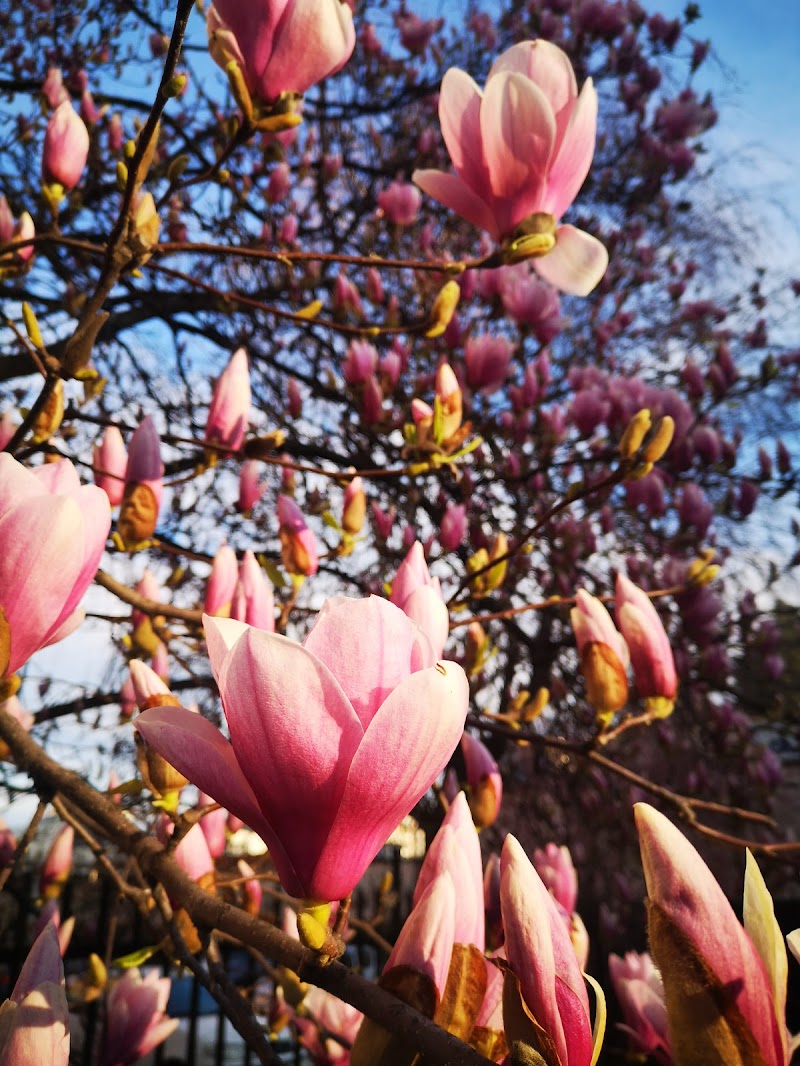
555,867
522,148
372,401
53,88
229,411
454,526
135,1022
36,1018
685,901
52,534
332,742
253,601
650,650
281,45
400,203
540,953
640,992
487,359
298,547
484,781
222,582
66,147
110,462
192,852
250,488
416,33
456,851
213,826
420,596
384,520
360,363
325,1018
20,230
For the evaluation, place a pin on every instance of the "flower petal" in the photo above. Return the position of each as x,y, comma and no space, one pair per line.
199,751
39,566
574,154
294,733
459,117
405,748
518,129
221,635
546,65
540,953
389,648
576,264
451,191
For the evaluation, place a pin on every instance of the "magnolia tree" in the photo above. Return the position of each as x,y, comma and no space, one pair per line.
398,351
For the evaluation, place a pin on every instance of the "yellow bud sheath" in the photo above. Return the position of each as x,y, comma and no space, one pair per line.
634,434
443,309
660,440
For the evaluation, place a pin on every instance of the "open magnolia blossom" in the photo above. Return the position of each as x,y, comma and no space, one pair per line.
332,742
52,534
281,45
521,150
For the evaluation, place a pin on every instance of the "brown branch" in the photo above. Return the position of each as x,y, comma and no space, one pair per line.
147,606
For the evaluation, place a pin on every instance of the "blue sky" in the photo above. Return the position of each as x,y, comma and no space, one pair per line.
754,74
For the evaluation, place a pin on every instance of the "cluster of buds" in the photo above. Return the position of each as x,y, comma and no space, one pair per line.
439,429
605,653
644,442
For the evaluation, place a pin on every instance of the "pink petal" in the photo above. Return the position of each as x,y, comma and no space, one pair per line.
199,751
38,569
69,625
540,953
369,646
451,191
405,748
459,117
221,635
518,129
294,733
426,940
17,483
253,27
313,39
576,264
93,503
574,154
426,607
546,65
42,964
455,849
59,478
